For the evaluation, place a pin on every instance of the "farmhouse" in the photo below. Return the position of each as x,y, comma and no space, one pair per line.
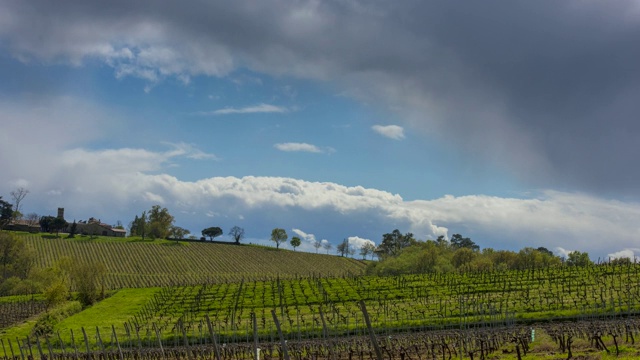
95,227
31,226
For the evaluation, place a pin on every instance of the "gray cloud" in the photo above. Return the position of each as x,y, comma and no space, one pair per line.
545,89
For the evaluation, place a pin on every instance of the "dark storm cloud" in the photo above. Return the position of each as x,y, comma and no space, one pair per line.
568,75
546,89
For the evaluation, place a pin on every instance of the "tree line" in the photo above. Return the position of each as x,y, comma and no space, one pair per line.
431,255
402,253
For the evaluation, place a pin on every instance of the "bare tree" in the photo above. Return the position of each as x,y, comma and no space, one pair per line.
343,248
18,195
32,219
237,233
327,246
366,249
317,244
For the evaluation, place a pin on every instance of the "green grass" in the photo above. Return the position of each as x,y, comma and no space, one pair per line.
20,331
115,310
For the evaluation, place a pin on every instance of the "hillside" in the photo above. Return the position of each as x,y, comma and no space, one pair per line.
144,264
501,308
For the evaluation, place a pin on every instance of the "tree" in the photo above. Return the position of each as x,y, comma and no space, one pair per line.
178,233
212,232
442,242
295,242
343,249
463,256
160,222
32,219
46,223
544,250
72,230
278,236
535,258
56,281
18,195
317,244
366,249
6,212
327,246
139,226
58,224
15,258
88,279
459,242
237,233
577,258
394,242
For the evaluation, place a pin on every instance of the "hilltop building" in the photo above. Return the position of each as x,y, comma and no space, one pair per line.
32,226
96,227
92,226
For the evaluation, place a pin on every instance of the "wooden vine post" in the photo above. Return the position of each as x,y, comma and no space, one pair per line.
372,335
283,342
325,334
115,336
64,351
86,342
256,354
104,353
37,343
186,341
216,350
73,342
22,353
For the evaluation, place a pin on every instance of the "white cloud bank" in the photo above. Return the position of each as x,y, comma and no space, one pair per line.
357,242
394,132
552,219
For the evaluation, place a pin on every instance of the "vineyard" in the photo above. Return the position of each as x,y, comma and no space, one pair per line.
308,310
141,264
15,309
191,300
310,306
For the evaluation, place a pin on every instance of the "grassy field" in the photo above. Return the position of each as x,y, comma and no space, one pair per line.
132,262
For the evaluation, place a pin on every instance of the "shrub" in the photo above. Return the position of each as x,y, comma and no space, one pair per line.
88,278
46,322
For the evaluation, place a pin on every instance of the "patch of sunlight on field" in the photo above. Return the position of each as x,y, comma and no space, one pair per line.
114,310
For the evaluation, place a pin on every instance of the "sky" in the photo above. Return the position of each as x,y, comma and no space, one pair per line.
512,123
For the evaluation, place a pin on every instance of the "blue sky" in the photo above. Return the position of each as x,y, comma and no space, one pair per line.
516,127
